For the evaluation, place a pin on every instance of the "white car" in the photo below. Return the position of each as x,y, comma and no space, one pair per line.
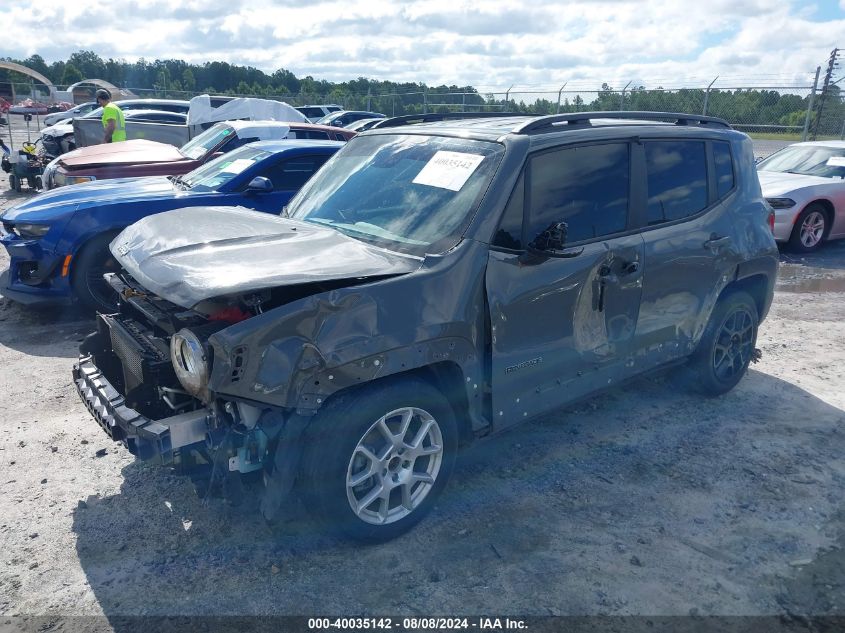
81,110
805,185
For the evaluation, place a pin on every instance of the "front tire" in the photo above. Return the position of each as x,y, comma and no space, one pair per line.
87,272
375,460
810,229
727,345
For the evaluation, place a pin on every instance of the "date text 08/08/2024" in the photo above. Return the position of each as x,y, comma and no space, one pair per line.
416,623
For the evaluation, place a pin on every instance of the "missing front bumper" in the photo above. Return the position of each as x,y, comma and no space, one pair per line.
155,440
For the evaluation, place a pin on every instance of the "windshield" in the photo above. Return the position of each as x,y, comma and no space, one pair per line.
410,193
809,160
218,172
200,145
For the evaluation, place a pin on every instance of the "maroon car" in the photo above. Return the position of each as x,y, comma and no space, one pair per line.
149,158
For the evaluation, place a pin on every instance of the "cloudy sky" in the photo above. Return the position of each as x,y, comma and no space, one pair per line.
539,44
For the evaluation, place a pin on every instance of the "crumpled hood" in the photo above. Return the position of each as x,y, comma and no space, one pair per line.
133,152
97,193
189,255
776,183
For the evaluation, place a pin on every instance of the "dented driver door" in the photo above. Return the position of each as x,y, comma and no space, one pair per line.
561,328
562,322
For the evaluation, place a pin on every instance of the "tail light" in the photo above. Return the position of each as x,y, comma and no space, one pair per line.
772,221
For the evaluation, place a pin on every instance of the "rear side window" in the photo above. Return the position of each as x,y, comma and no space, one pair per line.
724,168
292,174
677,180
235,142
314,135
173,107
174,118
312,113
586,187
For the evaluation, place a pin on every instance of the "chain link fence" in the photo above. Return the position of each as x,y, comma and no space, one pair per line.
788,111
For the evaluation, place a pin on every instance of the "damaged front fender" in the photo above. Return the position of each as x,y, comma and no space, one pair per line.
297,355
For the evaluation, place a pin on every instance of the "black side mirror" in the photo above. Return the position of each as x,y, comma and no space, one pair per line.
552,240
260,184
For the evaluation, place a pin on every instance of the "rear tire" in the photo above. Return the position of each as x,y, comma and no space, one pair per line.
375,460
15,183
727,345
810,229
87,273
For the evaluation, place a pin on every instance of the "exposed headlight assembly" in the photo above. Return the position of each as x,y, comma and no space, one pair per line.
29,230
62,179
190,361
781,203
76,180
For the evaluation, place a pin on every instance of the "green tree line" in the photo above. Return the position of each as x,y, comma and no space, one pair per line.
180,79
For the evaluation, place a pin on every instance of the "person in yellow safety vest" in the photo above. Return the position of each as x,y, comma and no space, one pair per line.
113,121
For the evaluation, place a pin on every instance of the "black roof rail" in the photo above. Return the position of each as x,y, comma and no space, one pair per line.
410,119
575,118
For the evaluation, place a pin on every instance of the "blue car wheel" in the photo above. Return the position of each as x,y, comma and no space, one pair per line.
87,282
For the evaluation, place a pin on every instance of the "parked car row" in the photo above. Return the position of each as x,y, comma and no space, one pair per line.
149,158
58,138
58,243
430,284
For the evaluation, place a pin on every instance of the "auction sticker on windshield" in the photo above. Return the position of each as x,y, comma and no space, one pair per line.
836,161
448,170
237,166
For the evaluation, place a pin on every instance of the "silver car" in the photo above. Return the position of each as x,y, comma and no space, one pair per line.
81,110
805,185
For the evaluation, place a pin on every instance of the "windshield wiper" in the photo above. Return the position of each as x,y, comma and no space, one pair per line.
179,182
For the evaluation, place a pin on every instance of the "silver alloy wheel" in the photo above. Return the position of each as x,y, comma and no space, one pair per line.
394,466
812,229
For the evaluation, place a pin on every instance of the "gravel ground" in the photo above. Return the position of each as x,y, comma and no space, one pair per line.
646,500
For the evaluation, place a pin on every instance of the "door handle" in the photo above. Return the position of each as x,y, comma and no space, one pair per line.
606,276
717,241
630,268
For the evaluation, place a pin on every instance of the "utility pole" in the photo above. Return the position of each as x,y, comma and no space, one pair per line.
832,64
622,100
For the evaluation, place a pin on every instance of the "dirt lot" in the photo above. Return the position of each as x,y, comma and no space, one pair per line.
646,500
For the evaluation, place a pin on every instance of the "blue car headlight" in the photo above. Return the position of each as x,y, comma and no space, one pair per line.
30,230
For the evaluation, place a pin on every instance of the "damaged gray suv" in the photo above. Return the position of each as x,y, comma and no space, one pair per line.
430,285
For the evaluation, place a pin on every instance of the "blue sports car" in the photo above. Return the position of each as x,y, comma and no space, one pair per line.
58,241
